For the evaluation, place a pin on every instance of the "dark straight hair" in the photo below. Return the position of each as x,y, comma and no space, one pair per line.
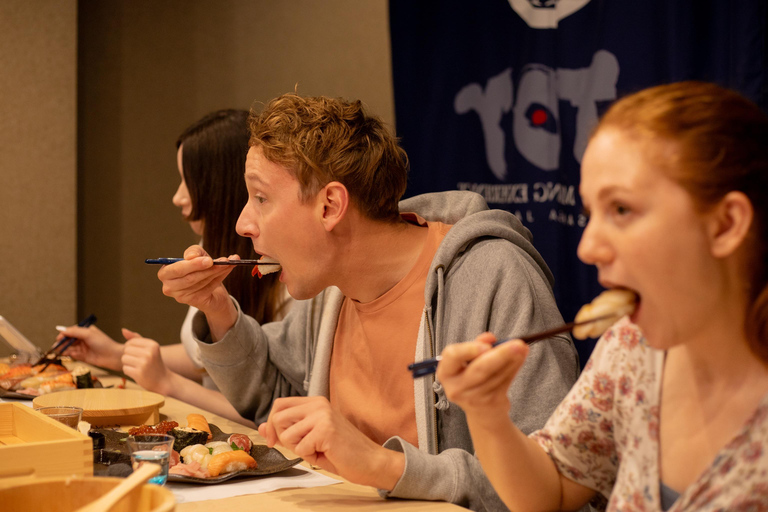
213,164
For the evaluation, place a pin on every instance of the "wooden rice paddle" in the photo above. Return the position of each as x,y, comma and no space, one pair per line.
138,477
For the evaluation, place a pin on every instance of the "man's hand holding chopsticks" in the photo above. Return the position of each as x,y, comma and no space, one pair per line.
197,282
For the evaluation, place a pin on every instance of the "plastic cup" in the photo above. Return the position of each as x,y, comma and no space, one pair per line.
151,449
70,416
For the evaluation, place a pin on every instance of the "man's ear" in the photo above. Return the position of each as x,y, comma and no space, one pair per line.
334,200
729,223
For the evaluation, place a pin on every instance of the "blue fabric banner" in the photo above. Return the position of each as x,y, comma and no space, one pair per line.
500,96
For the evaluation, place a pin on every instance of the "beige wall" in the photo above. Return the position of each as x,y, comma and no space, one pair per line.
38,166
147,69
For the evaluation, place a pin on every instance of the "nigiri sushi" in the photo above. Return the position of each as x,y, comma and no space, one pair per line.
217,447
197,453
228,462
198,422
51,386
47,377
242,441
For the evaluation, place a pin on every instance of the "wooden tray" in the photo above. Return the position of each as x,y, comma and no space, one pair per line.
104,407
34,445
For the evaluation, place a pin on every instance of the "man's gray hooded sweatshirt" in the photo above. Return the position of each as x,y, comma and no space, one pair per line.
485,276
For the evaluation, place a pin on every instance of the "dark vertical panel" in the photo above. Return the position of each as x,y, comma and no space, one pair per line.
489,99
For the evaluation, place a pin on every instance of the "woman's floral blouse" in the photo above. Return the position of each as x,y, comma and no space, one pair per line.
605,435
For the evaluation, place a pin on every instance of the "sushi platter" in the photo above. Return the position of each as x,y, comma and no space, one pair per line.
26,381
114,459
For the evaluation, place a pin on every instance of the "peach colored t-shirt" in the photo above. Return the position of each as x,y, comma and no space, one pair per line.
369,379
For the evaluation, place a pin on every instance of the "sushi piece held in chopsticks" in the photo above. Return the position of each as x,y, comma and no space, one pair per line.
198,422
612,304
228,462
262,270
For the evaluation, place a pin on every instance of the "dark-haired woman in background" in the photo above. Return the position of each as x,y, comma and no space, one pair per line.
211,160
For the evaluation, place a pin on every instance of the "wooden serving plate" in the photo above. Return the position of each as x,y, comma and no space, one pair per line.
103,407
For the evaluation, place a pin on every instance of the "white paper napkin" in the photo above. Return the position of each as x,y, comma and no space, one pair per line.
298,476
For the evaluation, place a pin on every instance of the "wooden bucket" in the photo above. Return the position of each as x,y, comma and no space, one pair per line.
69,494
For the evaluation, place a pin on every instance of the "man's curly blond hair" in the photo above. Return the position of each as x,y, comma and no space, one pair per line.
320,140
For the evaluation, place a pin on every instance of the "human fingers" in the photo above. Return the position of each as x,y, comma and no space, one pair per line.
486,337
312,430
90,345
192,276
505,359
138,352
204,280
292,435
231,257
329,440
322,461
267,431
141,346
307,443
292,401
183,268
77,350
81,333
289,411
455,358
128,334
131,371
204,291
486,379
94,346
132,358
194,251
136,357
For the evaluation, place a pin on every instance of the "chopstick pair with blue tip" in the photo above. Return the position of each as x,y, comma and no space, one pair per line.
64,343
170,261
429,366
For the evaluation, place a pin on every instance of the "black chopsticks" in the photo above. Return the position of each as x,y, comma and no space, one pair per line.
169,261
63,344
429,366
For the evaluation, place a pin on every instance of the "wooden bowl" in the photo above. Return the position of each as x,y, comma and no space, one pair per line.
69,494
106,407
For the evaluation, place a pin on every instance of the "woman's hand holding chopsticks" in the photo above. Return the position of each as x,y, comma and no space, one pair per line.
93,346
481,387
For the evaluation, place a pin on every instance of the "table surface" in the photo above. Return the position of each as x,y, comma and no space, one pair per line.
342,496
